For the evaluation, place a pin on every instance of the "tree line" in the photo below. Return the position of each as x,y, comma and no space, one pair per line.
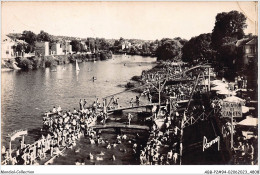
218,48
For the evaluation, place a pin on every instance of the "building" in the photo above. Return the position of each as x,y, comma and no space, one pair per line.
42,48
66,47
56,49
249,48
8,47
126,45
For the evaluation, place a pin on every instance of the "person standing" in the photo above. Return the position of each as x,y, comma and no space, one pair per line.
129,118
81,104
251,153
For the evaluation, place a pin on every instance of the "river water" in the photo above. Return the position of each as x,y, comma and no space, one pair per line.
26,95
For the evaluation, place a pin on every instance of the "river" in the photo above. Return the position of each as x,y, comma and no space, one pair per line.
26,95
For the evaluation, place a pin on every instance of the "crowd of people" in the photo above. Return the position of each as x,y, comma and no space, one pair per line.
164,146
62,128
166,137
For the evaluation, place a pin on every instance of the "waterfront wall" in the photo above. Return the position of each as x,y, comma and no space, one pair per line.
36,62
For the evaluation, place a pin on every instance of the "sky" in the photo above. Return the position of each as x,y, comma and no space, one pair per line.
112,20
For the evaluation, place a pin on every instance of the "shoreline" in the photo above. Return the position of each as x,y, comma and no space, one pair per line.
35,62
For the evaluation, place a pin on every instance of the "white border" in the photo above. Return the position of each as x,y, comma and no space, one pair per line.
124,169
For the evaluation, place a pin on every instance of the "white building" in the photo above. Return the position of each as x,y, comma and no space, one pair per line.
8,47
56,49
66,47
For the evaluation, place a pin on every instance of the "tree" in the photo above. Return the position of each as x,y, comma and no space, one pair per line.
169,49
198,49
231,24
44,36
76,46
145,48
91,44
29,37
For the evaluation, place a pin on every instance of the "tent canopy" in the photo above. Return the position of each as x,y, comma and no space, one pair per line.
249,121
234,99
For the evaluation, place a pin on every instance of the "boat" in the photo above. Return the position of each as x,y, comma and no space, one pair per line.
77,66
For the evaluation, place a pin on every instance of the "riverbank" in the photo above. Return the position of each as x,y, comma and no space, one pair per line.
36,62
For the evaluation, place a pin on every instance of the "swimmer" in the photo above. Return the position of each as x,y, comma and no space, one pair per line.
92,141
109,146
114,145
102,153
77,162
91,157
113,158
77,150
124,137
99,158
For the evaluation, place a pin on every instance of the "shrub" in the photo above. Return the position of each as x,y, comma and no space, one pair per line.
130,85
25,63
136,78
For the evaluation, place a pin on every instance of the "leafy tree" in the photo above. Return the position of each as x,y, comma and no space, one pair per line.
145,48
19,47
169,49
198,49
29,48
44,36
76,46
231,24
91,44
229,27
29,37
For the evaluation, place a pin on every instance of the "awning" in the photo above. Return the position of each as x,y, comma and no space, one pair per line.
249,121
234,99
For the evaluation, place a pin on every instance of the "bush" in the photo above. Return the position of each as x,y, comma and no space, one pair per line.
25,63
50,61
130,85
136,78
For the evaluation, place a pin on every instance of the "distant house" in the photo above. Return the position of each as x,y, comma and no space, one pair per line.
126,45
66,47
8,47
42,48
56,49
249,48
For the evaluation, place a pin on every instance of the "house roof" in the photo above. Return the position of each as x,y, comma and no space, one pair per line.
252,42
241,42
246,41
6,38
